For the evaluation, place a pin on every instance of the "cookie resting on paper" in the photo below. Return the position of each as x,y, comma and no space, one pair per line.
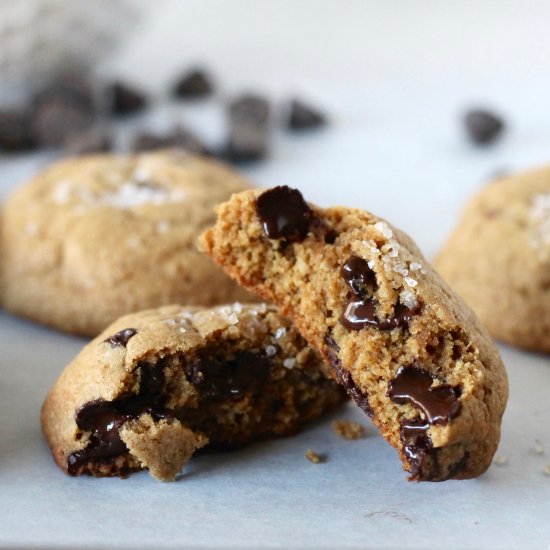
160,384
407,349
91,239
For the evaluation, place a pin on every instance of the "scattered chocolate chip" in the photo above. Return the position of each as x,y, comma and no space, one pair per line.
64,108
222,377
15,131
304,117
123,99
91,141
483,127
178,137
248,129
193,84
344,376
284,214
412,384
121,338
105,418
360,310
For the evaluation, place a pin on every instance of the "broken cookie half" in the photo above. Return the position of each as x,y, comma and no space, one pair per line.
160,384
406,348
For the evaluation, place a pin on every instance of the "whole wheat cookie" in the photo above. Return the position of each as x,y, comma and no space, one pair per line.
94,238
158,385
406,348
498,258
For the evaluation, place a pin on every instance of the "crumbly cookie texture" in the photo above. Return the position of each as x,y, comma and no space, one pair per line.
406,348
158,385
94,238
498,258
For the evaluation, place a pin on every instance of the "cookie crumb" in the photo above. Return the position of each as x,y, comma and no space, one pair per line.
312,456
538,448
500,460
348,429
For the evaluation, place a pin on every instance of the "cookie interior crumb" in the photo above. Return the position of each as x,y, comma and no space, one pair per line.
312,456
348,429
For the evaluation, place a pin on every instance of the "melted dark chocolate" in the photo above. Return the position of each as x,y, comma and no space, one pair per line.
284,214
105,418
220,378
412,384
122,337
360,310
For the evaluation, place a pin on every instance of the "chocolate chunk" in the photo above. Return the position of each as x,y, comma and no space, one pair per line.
345,377
358,275
123,99
15,131
413,384
360,310
416,443
91,141
194,84
284,214
64,108
178,137
121,338
105,418
483,127
248,129
304,117
219,377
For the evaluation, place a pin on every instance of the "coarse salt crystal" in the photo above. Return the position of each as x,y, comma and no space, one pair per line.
270,351
280,332
408,299
289,362
382,228
411,282
370,263
415,266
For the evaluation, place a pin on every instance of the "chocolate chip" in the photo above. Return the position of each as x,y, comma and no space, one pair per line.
91,141
345,377
105,418
483,127
15,131
358,275
304,117
178,137
284,214
248,129
121,338
219,377
416,443
194,84
123,99
64,108
412,384
360,310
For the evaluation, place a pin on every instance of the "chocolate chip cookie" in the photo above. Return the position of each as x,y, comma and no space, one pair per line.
407,349
158,385
94,238
498,258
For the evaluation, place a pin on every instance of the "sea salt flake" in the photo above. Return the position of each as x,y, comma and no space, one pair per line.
280,332
371,264
383,229
270,351
415,266
408,299
411,282
289,363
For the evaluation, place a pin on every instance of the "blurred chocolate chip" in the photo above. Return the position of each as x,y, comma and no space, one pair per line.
483,127
304,117
178,137
193,84
284,214
91,141
121,338
248,129
123,99
15,131
63,108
